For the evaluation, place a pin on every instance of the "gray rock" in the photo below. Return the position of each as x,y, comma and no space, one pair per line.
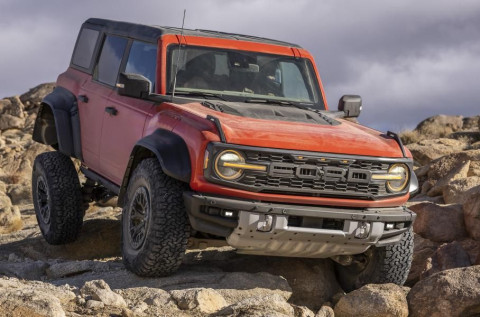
100,291
271,305
94,304
24,270
27,302
62,269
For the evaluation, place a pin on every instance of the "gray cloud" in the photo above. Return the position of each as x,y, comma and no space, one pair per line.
408,59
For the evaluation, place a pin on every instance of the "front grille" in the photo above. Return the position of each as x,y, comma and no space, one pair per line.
314,175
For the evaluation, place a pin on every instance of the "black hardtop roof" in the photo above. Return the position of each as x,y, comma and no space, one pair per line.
151,33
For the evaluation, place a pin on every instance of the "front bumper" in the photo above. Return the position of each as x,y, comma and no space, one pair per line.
294,230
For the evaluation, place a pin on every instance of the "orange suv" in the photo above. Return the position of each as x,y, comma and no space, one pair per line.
221,136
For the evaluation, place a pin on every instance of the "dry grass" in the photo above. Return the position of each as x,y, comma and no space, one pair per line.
15,225
409,137
426,133
12,178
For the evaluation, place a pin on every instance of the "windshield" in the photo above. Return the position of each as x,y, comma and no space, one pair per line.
242,76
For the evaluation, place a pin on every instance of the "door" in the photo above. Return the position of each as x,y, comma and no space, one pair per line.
124,117
93,97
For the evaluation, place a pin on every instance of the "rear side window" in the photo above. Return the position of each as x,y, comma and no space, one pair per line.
85,46
110,59
142,60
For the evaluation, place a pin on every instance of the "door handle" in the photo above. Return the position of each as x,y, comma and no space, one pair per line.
111,110
83,98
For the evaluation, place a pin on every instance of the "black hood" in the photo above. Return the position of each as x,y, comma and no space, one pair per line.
271,112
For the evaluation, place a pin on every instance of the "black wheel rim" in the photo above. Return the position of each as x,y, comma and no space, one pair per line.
139,213
42,200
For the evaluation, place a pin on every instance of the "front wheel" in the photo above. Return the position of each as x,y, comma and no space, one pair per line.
155,228
389,264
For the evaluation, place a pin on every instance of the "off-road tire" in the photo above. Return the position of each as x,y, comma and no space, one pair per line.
389,264
57,198
160,251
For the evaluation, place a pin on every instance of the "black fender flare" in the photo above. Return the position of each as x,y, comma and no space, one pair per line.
171,151
63,105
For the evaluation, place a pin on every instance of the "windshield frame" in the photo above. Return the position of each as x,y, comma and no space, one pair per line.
311,81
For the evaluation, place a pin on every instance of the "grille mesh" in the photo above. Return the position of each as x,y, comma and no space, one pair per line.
282,175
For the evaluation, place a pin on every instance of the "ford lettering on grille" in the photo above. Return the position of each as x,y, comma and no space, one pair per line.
326,173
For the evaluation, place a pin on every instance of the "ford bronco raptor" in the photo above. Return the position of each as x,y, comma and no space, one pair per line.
212,135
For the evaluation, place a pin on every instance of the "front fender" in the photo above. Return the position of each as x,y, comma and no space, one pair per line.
170,150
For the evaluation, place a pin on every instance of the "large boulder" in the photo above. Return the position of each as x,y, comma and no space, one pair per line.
439,223
453,292
471,211
423,250
458,191
7,121
474,169
439,126
447,256
427,150
373,300
460,170
442,166
34,96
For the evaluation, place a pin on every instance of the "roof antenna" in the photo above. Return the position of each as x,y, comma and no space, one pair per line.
178,56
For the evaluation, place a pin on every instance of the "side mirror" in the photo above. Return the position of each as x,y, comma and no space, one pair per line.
133,85
351,105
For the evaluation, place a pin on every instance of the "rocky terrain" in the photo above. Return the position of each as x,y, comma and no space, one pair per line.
88,278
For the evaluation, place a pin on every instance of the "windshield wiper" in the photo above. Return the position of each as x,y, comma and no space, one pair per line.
278,102
199,94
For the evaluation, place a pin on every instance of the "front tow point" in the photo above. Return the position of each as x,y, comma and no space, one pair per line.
265,223
362,231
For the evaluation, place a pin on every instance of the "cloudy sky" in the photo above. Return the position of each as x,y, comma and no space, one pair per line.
408,59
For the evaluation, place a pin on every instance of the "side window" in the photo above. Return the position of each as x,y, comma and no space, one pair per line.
110,59
142,60
85,46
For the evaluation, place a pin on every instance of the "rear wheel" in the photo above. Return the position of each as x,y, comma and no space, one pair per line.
57,197
389,264
155,228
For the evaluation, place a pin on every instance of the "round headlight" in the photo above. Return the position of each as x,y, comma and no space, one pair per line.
399,184
226,158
